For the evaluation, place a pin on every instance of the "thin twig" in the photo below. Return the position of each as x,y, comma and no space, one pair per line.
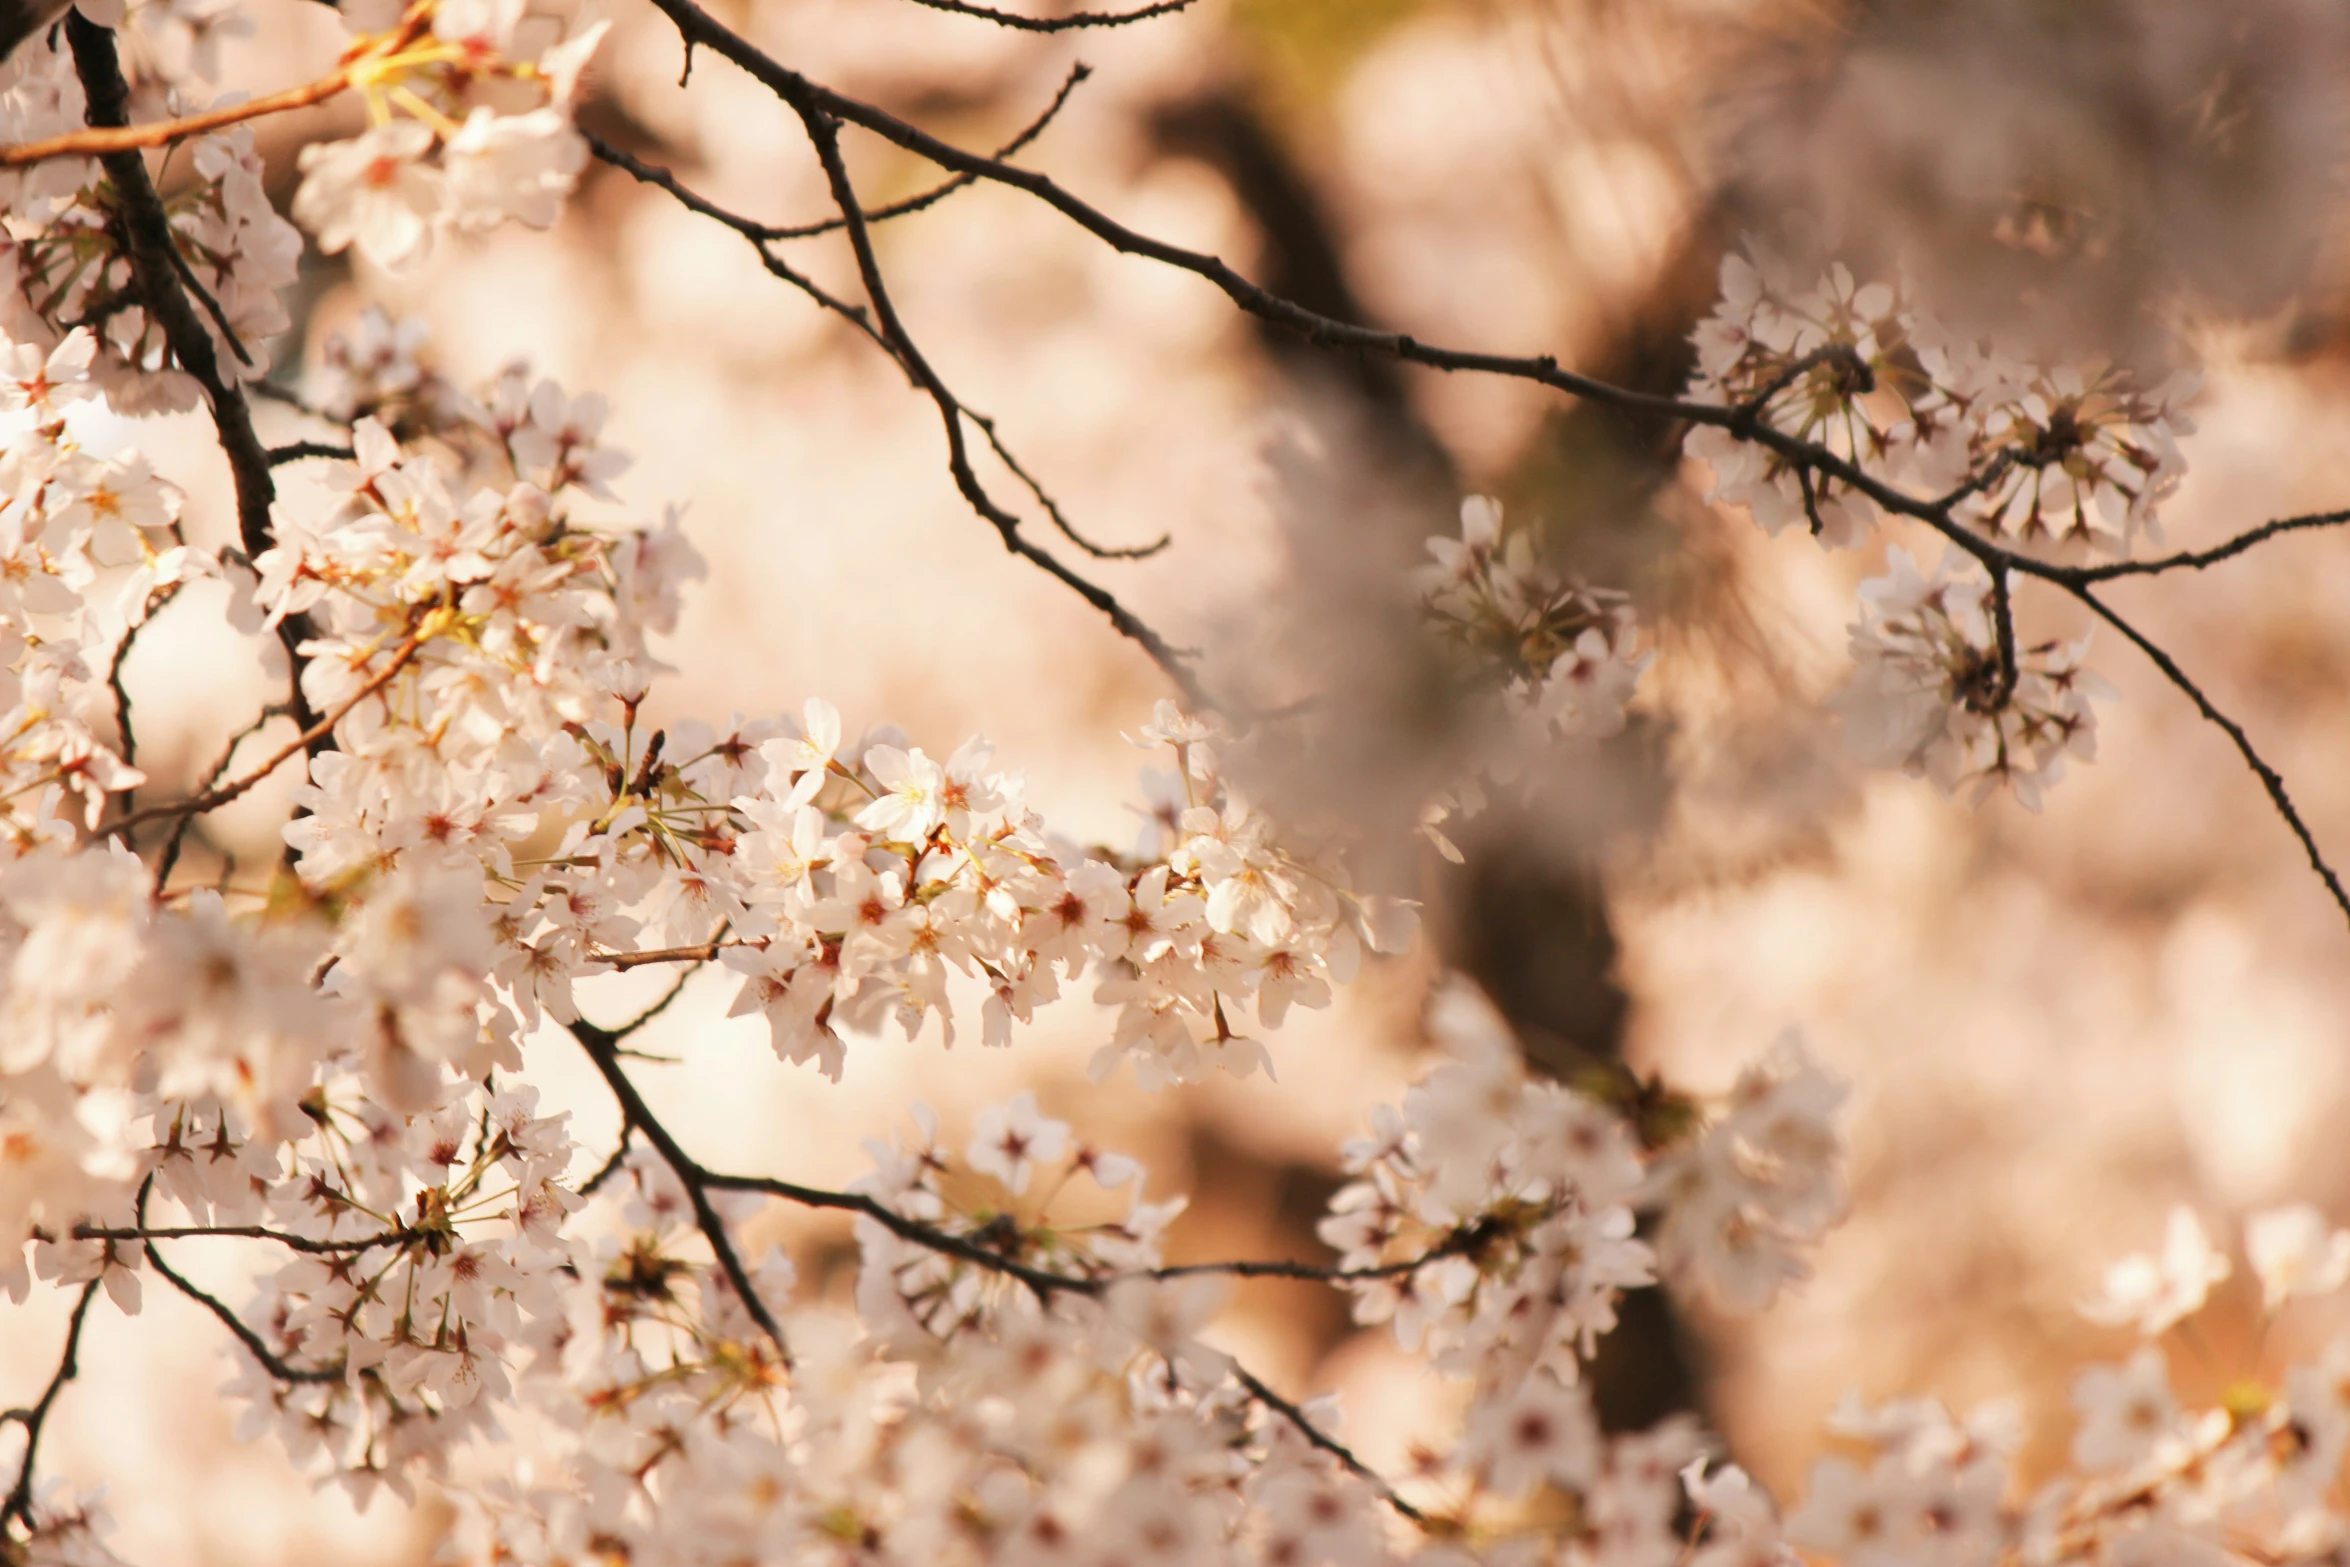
1058,24
824,132
695,954
1042,1282
2196,560
676,989
114,139
403,1236
122,695
252,1341
212,775
897,346
610,1167
19,1506
214,799
937,193
195,286
2269,778
1052,508
1045,1284
653,174
1322,1439
602,1051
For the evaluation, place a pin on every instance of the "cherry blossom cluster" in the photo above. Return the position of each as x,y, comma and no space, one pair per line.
1849,399
62,268
434,1259
1493,1216
1838,364
910,1292
1560,652
1082,1427
1930,694
1024,1383
1555,657
861,880
2059,456
2154,1477
89,545
470,104
380,368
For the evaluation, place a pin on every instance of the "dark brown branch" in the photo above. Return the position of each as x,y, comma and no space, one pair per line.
610,1167
122,696
1043,1282
1046,1284
147,244
824,132
2003,627
945,188
213,799
856,315
19,1506
295,451
820,107
805,96
676,989
252,1341
603,1050
203,296
1052,508
402,1236
2196,560
1315,1435
1058,24
2270,779
653,174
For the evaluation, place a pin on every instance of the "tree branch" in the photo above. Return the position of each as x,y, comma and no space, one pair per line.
109,138
147,243
254,1346
820,107
824,132
295,451
402,1236
1058,24
890,337
602,1050
2270,779
1315,1435
213,799
2196,560
19,1505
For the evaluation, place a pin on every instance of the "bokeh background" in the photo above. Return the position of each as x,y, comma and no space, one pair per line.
2055,1025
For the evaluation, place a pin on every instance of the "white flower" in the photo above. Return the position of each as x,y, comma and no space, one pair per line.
912,801
41,381
1540,1432
1928,694
518,166
2156,1292
2125,1410
2294,1253
1007,1139
372,191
